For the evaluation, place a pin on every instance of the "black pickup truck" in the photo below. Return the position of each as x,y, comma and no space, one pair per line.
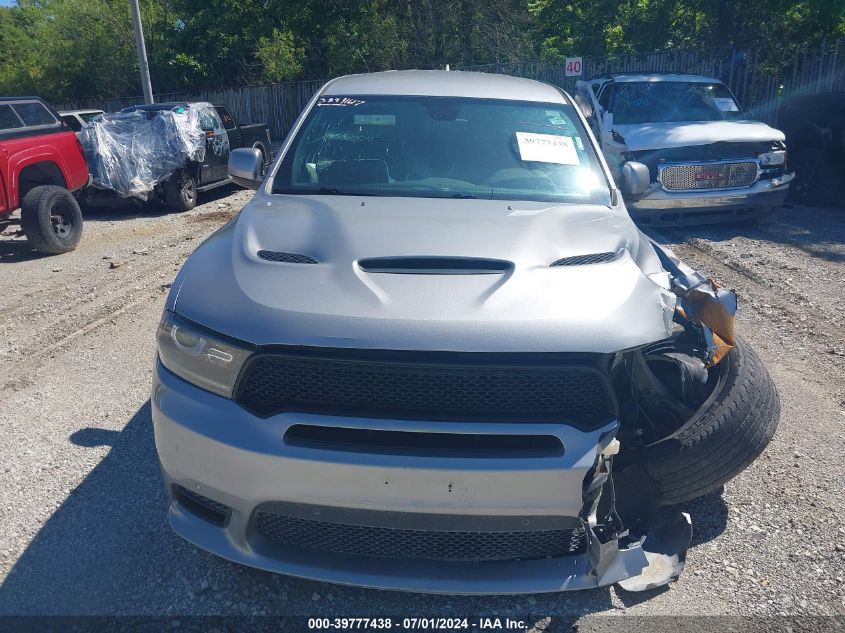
223,134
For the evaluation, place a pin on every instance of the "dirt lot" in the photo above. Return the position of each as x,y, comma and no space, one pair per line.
82,509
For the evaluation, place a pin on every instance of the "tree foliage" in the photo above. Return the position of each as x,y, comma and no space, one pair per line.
69,50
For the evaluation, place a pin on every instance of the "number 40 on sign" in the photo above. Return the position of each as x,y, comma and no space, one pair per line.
574,66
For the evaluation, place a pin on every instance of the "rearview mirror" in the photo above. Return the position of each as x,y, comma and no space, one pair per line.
245,167
635,178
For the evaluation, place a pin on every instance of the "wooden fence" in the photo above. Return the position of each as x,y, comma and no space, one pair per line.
758,87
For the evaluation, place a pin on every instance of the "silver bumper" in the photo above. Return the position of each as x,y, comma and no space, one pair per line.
209,445
660,205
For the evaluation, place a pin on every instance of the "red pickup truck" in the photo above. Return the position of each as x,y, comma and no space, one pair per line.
41,164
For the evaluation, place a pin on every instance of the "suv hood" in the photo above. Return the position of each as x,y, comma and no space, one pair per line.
646,136
528,306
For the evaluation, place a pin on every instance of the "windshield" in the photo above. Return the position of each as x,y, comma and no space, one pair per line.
443,147
675,101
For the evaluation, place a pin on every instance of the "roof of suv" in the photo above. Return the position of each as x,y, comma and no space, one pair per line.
443,83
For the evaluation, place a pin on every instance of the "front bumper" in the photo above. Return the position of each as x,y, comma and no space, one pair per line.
211,446
658,206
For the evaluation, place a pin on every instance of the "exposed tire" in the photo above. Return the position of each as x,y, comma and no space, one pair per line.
180,192
51,219
723,437
815,180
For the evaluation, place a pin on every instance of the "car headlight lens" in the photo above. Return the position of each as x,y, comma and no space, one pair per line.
773,158
207,360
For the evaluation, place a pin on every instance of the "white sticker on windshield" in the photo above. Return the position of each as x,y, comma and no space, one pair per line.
374,119
339,101
726,104
547,148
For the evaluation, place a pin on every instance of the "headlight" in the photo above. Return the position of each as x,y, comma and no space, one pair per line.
772,158
201,357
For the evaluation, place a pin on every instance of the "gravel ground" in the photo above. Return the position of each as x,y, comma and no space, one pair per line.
82,508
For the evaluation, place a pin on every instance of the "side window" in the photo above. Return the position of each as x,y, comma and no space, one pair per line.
209,120
604,97
72,122
8,119
33,113
228,121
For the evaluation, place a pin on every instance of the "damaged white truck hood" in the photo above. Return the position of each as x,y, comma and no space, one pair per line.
645,136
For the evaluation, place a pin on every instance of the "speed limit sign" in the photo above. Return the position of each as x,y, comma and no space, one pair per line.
574,66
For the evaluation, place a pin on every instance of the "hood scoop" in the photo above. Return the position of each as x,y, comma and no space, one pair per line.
582,260
435,265
287,258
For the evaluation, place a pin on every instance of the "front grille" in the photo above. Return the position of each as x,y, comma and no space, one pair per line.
382,542
205,508
501,390
708,176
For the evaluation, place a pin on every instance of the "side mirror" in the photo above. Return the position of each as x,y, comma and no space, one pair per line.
245,167
583,104
607,119
635,178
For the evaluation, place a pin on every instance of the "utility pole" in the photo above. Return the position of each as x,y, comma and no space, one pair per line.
142,52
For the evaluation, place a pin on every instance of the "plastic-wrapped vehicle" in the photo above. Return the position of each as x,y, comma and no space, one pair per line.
168,152
434,353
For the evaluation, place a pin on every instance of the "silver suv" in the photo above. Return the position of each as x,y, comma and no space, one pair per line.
434,353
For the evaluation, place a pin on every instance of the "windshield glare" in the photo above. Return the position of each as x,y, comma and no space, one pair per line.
445,148
672,101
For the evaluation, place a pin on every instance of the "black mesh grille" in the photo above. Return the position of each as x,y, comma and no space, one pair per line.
405,544
443,391
581,260
208,509
287,258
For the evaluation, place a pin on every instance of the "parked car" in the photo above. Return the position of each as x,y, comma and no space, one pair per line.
224,134
76,119
434,353
815,134
706,161
41,164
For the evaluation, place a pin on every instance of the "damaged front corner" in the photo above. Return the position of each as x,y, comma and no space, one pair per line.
704,303
666,551
652,561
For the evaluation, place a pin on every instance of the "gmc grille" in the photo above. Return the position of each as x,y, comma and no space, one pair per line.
708,176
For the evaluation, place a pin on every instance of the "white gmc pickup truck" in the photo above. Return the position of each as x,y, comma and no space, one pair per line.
706,161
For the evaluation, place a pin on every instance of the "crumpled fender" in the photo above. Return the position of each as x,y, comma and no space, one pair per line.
702,301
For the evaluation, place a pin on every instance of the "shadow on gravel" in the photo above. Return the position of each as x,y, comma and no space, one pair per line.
818,231
91,437
108,550
15,250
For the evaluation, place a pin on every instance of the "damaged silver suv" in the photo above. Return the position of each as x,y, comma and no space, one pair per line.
433,353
